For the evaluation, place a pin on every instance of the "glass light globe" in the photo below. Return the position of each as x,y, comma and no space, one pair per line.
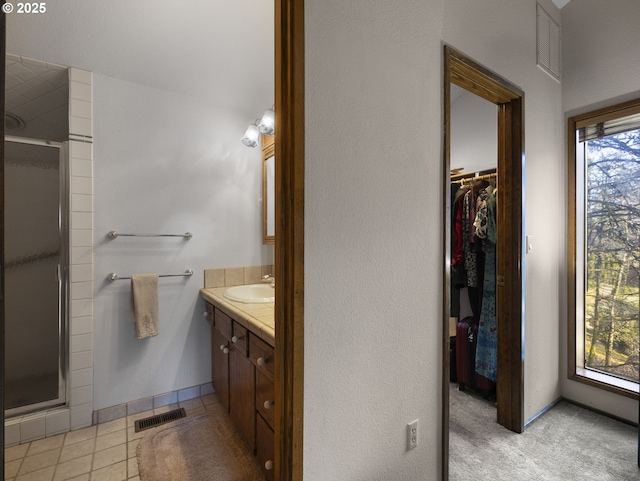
268,122
251,136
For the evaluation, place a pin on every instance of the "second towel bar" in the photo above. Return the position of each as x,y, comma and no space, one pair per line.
113,276
113,234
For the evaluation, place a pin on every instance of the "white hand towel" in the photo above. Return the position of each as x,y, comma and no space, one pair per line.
144,304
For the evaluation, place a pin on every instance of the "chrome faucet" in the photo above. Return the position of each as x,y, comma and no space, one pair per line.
269,278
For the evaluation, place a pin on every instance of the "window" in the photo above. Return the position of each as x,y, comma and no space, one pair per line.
604,248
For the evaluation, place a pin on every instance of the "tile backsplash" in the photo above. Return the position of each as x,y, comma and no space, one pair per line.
235,276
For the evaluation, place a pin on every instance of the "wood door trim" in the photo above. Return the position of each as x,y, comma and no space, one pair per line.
466,73
289,245
3,38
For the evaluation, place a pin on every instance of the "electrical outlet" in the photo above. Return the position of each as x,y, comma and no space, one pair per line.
412,434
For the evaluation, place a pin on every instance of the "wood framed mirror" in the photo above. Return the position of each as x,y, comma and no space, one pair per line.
268,190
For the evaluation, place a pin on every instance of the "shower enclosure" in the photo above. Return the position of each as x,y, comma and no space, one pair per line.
35,269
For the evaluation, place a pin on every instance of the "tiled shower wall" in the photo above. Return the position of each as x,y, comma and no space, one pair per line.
80,381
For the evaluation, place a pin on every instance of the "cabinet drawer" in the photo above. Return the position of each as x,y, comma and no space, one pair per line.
265,397
265,447
223,324
262,356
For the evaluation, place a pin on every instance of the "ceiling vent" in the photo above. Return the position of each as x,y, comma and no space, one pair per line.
548,44
13,122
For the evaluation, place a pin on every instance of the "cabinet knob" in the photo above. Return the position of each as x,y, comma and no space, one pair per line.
234,339
268,404
226,350
205,313
268,465
222,346
261,361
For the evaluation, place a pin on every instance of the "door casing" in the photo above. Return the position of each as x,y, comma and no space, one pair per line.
289,243
468,74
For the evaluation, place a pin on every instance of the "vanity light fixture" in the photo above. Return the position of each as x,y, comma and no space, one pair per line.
268,123
251,136
264,126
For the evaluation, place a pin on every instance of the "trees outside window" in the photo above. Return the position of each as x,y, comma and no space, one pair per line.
612,294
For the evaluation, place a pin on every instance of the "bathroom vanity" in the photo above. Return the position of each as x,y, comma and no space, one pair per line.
242,367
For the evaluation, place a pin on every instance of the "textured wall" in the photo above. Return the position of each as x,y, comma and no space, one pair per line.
165,163
600,53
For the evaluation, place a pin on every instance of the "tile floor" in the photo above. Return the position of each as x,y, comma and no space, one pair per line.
103,452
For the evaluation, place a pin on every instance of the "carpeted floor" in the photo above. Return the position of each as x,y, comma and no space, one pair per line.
565,444
206,447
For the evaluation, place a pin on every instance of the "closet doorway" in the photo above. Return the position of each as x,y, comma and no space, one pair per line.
463,72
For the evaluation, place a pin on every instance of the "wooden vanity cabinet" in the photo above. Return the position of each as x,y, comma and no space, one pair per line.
243,376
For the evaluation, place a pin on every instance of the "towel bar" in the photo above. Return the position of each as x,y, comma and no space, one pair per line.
113,234
114,277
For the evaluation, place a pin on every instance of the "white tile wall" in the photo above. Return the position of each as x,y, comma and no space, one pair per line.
81,251
81,415
32,427
81,325
12,432
57,422
81,360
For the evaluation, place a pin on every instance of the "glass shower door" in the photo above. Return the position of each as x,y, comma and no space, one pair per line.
34,276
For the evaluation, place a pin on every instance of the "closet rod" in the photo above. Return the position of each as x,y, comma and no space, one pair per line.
473,176
114,277
113,234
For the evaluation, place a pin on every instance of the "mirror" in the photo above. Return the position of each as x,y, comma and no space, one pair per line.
268,190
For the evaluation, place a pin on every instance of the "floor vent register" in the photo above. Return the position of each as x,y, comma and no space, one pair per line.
158,419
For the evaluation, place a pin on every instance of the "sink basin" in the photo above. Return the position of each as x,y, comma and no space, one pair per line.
252,293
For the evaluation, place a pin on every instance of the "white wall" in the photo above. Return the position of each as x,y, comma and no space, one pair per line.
165,163
602,68
374,217
474,133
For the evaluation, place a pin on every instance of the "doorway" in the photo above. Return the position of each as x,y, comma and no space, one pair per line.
463,72
35,214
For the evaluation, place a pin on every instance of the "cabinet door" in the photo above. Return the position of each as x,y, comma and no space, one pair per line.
265,447
242,382
265,396
220,367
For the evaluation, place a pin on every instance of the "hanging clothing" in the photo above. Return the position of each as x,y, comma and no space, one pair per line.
487,343
457,222
470,254
480,223
454,278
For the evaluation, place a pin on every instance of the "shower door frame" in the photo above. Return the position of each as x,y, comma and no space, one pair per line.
63,279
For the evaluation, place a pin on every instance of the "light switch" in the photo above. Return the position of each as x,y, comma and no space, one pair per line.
529,239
